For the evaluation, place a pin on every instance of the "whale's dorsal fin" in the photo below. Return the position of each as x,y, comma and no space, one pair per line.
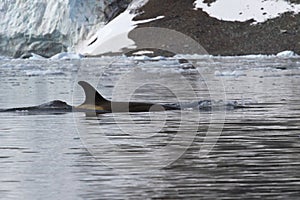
92,96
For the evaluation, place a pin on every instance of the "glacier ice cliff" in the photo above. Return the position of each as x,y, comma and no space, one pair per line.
47,27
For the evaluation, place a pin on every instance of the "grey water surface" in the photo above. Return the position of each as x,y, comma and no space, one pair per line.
247,153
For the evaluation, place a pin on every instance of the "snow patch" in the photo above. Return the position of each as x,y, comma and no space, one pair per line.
36,57
59,56
143,52
287,54
66,56
243,10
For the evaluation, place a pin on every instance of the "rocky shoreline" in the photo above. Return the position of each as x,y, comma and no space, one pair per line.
45,34
223,37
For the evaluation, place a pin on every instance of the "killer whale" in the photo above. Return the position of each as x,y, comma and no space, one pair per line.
95,102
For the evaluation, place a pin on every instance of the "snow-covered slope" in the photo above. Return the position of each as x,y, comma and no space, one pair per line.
51,26
114,36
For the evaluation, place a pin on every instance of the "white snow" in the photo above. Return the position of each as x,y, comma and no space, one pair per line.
243,10
36,57
113,37
66,56
287,54
59,56
143,52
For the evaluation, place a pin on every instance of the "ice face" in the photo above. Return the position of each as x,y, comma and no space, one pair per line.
48,27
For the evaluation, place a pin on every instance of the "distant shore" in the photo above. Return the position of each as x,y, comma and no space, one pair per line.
223,37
